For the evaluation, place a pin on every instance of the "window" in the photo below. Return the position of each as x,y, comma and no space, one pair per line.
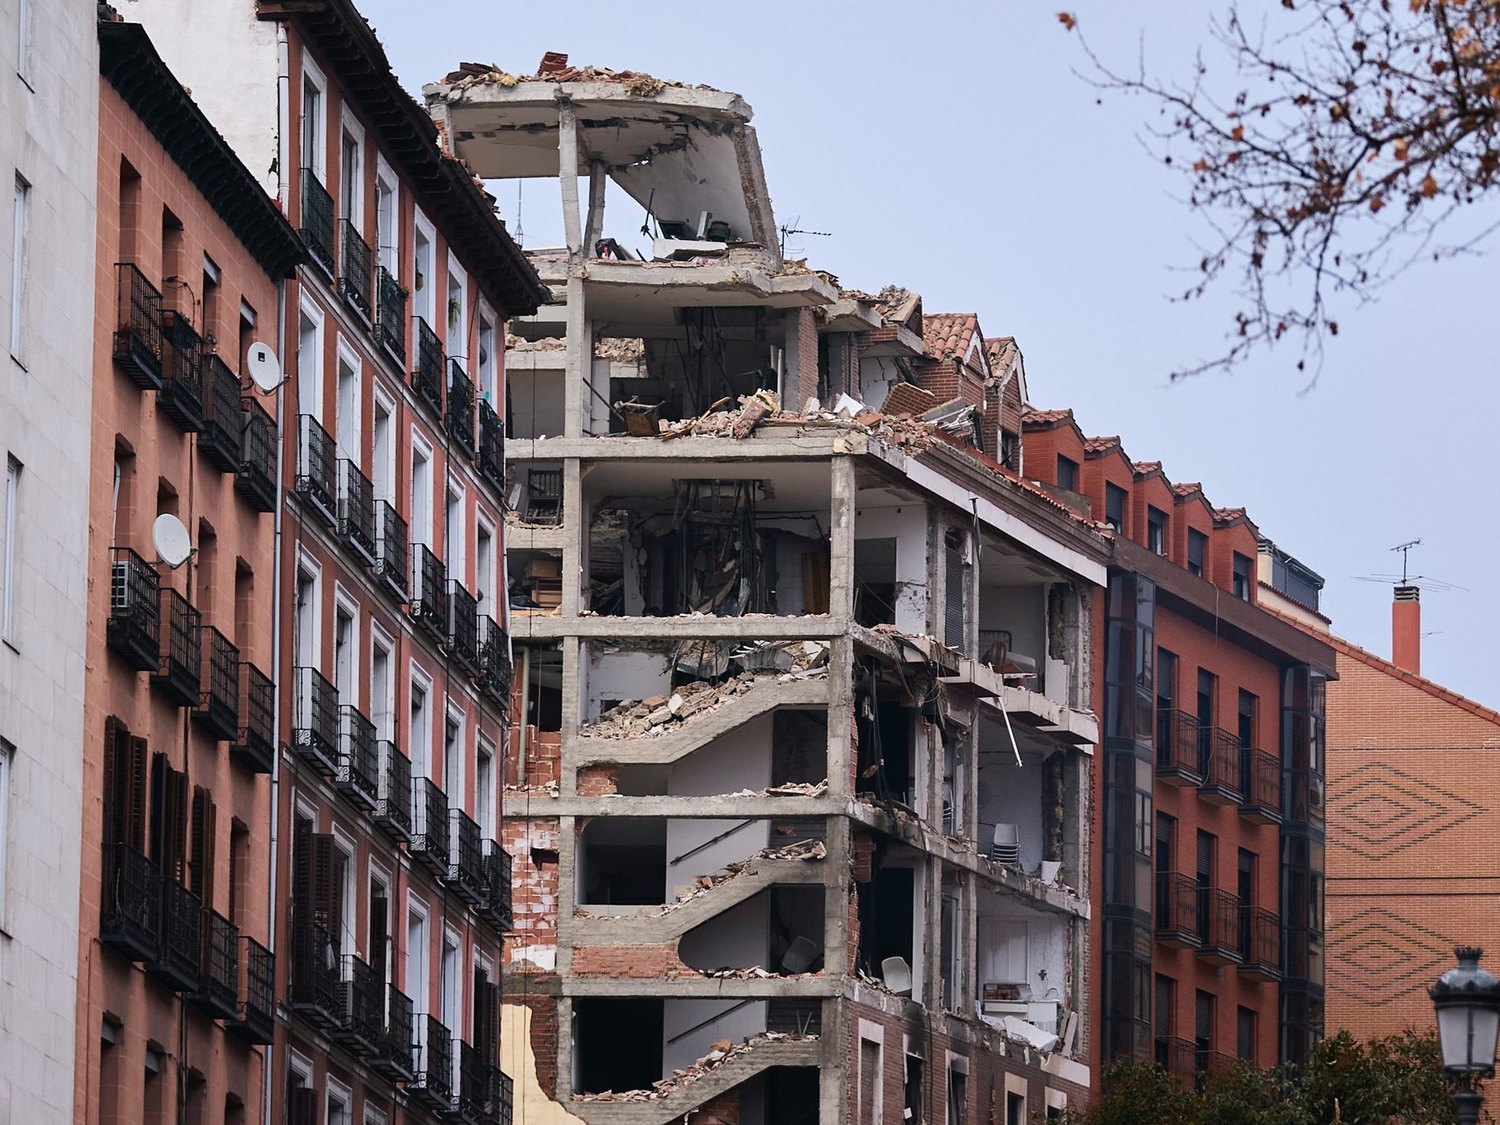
7,757
1243,580
484,789
383,462
870,1084
457,315
484,568
1166,840
450,1002
1067,473
421,493
1156,530
415,981
1166,991
1203,1027
305,626
338,1105
1197,551
453,535
313,116
10,529
421,729
23,41
958,1094
1249,705
18,250
453,754
1114,507
1244,1034
346,423
1208,688
422,284
489,384
345,645
310,362
351,178
386,249
382,685
1208,844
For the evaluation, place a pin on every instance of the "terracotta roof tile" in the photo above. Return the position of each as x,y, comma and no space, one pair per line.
1146,468
1045,417
999,350
1187,488
949,334
1101,444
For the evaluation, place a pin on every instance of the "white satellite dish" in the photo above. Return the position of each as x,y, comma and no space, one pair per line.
264,368
171,539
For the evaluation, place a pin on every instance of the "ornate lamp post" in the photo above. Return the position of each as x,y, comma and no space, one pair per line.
1467,999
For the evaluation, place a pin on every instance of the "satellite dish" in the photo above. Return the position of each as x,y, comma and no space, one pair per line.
264,368
171,539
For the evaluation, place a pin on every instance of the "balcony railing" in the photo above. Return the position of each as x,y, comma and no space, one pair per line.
427,370
356,522
429,825
316,228
181,395
1176,910
465,874
491,452
134,629
1178,1057
390,317
358,772
429,594
218,710
316,991
393,1051
460,418
317,469
315,724
1178,738
1221,769
1260,778
495,901
223,416
138,343
1260,944
361,1012
393,795
355,273
254,1019
1218,925
177,956
472,1099
256,478
219,967
255,745
463,627
432,1065
502,1099
179,671
130,907
391,549
494,661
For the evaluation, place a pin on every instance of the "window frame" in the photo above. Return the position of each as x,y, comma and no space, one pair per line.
312,75
20,231
10,532
7,775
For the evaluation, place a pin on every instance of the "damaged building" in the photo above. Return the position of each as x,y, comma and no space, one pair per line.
798,779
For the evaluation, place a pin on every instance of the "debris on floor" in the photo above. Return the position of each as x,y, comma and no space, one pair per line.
719,1053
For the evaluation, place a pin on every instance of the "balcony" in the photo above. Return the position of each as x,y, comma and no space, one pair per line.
472,1100
316,988
390,317
427,370
218,710
1221,769
460,419
219,967
315,723
356,272
1176,910
317,469
180,948
390,549
463,627
493,675
393,1049
1218,926
491,452
256,478
465,874
138,343
223,416
362,1007
1178,740
255,744
429,826
393,793
432,1065
356,512
502,1099
134,629
1260,778
358,772
1178,1057
179,671
429,594
254,1019
130,906
316,227
1260,944
181,395
495,901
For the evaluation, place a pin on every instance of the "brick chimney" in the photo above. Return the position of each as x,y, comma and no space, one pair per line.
1406,630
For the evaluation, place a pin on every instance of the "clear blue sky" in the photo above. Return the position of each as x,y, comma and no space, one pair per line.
951,148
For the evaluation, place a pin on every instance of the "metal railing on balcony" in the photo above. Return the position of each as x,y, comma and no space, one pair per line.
137,342
315,722
1179,737
223,416
362,1007
177,956
217,993
429,593
316,227
502,1099
254,1019
491,451
255,479
315,991
1218,925
178,673
495,901
1176,910
358,774
356,266
1178,1057
134,628
391,549
460,417
432,1065
255,744
393,801
427,369
429,825
1260,780
356,512
218,710
1221,769
1260,943
463,627
393,1050
494,669
130,907
390,316
181,394
472,1098
317,469
465,874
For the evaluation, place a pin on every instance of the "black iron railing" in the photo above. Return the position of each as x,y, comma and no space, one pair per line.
138,343
1260,943
1176,909
181,395
432,1064
317,469
315,988
1178,737
130,908
1221,768
429,825
219,967
316,227
429,594
472,1097
223,416
256,741
356,511
355,272
218,710
502,1098
465,874
460,419
362,1008
391,549
1260,778
256,478
1218,925
177,956
390,319
393,1051
358,772
495,901
491,452
255,1010
494,671
178,672
463,627
134,629
1178,1057
315,723
393,795
427,369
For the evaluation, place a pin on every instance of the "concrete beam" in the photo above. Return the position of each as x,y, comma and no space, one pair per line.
769,442
537,626
721,807
711,988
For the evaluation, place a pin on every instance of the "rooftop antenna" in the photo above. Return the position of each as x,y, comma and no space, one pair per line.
1405,549
1406,577
792,228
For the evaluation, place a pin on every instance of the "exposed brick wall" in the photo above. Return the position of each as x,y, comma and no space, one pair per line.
543,1032
543,757
722,1110
532,844
802,384
657,962
598,781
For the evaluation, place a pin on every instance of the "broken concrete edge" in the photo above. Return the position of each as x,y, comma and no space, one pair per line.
720,1052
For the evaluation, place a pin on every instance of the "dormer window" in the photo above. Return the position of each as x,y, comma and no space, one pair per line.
1242,576
1156,531
1114,507
1067,473
1197,551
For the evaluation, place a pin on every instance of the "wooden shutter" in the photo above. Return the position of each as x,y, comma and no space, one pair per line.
486,1019
301,1106
159,843
201,843
302,872
116,779
379,934
135,794
325,884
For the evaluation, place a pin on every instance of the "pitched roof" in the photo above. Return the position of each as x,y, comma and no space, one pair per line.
1101,444
1187,488
949,335
1033,417
1146,468
1000,350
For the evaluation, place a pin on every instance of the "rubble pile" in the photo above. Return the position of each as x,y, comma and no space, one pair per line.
763,409
621,349
719,1052
544,344
650,717
554,68
805,850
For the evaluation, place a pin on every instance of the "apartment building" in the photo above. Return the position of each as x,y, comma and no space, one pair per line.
798,780
1211,905
175,1000
50,106
390,890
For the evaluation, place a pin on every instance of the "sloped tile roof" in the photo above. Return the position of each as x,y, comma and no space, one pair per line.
949,334
1045,417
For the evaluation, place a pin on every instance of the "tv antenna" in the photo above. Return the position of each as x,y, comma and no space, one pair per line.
1406,578
792,228
1405,549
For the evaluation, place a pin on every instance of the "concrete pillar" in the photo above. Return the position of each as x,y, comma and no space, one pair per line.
593,229
567,172
575,546
841,540
579,362
834,1080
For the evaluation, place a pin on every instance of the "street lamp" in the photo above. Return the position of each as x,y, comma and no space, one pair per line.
1467,999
